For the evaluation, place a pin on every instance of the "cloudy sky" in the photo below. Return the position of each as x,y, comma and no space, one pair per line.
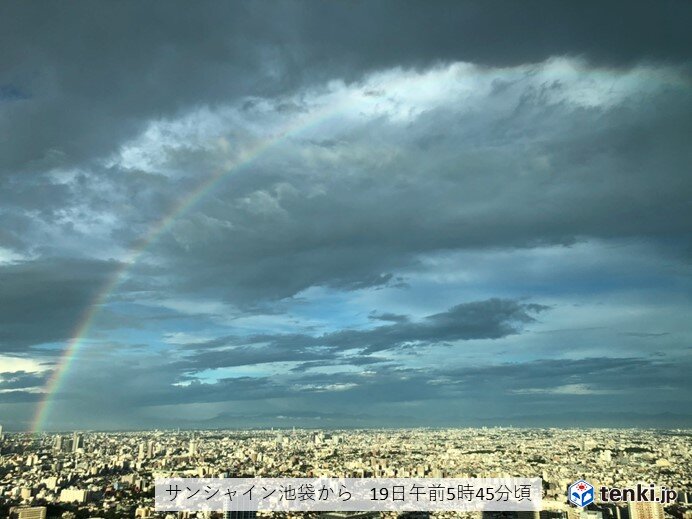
345,214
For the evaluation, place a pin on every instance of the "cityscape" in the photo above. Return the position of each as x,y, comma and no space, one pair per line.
111,474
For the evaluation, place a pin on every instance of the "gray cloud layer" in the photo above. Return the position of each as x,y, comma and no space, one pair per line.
41,301
491,319
80,78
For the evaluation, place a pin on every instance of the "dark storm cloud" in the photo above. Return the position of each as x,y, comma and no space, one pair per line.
490,319
520,170
500,32
84,76
551,382
41,301
394,318
515,389
564,377
556,380
145,63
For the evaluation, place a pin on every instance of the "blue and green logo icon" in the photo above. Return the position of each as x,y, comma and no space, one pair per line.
581,493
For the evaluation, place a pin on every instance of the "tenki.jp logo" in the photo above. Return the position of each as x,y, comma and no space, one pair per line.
581,493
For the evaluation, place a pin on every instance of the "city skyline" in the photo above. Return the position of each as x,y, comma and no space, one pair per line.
114,474
345,215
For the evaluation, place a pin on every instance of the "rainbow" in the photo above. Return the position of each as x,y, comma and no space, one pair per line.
160,227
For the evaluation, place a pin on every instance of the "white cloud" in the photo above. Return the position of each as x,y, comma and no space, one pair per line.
567,389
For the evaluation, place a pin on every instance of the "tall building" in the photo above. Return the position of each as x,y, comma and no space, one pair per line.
644,510
73,495
146,450
77,441
58,443
28,512
192,451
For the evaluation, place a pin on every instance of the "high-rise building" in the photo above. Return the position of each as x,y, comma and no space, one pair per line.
58,443
146,450
192,450
28,512
77,441
73,495
645,510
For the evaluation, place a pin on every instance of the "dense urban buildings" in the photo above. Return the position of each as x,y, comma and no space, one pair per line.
111,474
